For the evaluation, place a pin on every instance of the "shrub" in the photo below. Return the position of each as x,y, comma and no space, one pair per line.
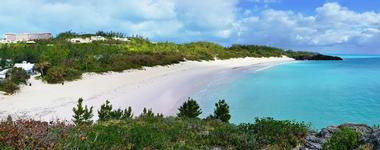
42,67
71,74
29,134
286,134
15,77
147,113
55,75
106,113
189,109
221,111
9,87
345,139
18,75
82,115
127,114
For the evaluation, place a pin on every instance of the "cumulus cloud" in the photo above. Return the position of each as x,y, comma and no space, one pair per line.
265,1
162,20
331,27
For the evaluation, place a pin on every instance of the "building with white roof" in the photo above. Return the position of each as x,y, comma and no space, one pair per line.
120,39
80,40
87,40
3,74
28,67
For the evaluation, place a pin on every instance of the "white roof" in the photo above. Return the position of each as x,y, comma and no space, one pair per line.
24,65
3,72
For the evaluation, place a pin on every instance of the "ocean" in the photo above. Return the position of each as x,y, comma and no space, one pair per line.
321,93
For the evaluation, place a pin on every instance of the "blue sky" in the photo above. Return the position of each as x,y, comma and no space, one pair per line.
328,26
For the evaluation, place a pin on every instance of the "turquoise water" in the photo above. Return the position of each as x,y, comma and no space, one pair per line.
318,92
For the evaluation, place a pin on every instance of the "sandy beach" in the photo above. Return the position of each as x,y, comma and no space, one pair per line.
162,88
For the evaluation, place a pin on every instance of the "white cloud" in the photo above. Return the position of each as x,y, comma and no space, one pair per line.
158,19
332,27
265,1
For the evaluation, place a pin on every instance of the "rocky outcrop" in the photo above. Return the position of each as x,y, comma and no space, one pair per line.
368,136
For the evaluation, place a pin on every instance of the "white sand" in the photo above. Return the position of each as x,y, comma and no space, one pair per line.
161,88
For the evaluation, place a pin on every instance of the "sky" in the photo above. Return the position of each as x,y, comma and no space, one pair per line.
327,26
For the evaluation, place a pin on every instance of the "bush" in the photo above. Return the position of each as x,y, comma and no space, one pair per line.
29,134
18,75
15,77
82,115
286,134
221,111
345,139
150,131
9,87
55,75
189,109
71,74
106,113
147,113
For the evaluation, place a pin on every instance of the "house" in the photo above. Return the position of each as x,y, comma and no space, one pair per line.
26,37
97,38
3,41
120,39
28,67
87,40
3,74
80,40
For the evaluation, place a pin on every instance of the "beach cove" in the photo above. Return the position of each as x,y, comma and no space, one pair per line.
162,88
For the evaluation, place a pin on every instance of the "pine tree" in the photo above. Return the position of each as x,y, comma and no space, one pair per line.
127,114
147,113
104,113
222,111
82,115
189,109
116,114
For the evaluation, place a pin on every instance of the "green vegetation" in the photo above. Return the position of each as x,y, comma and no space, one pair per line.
345,139
222,111
82,115
273,132
106,113
189,109
16,76
58,60
149,131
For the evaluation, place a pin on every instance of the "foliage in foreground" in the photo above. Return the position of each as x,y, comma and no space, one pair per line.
107,113
149,131
82,115
221,112
345,139
189,109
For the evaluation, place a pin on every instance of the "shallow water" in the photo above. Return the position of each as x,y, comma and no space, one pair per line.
318,92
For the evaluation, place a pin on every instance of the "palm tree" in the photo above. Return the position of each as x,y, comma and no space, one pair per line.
42,67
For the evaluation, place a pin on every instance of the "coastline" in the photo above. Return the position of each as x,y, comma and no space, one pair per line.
162,88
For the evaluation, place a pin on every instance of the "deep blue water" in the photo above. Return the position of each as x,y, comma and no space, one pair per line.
318,92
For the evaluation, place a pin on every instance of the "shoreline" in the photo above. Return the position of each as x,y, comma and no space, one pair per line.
162,88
